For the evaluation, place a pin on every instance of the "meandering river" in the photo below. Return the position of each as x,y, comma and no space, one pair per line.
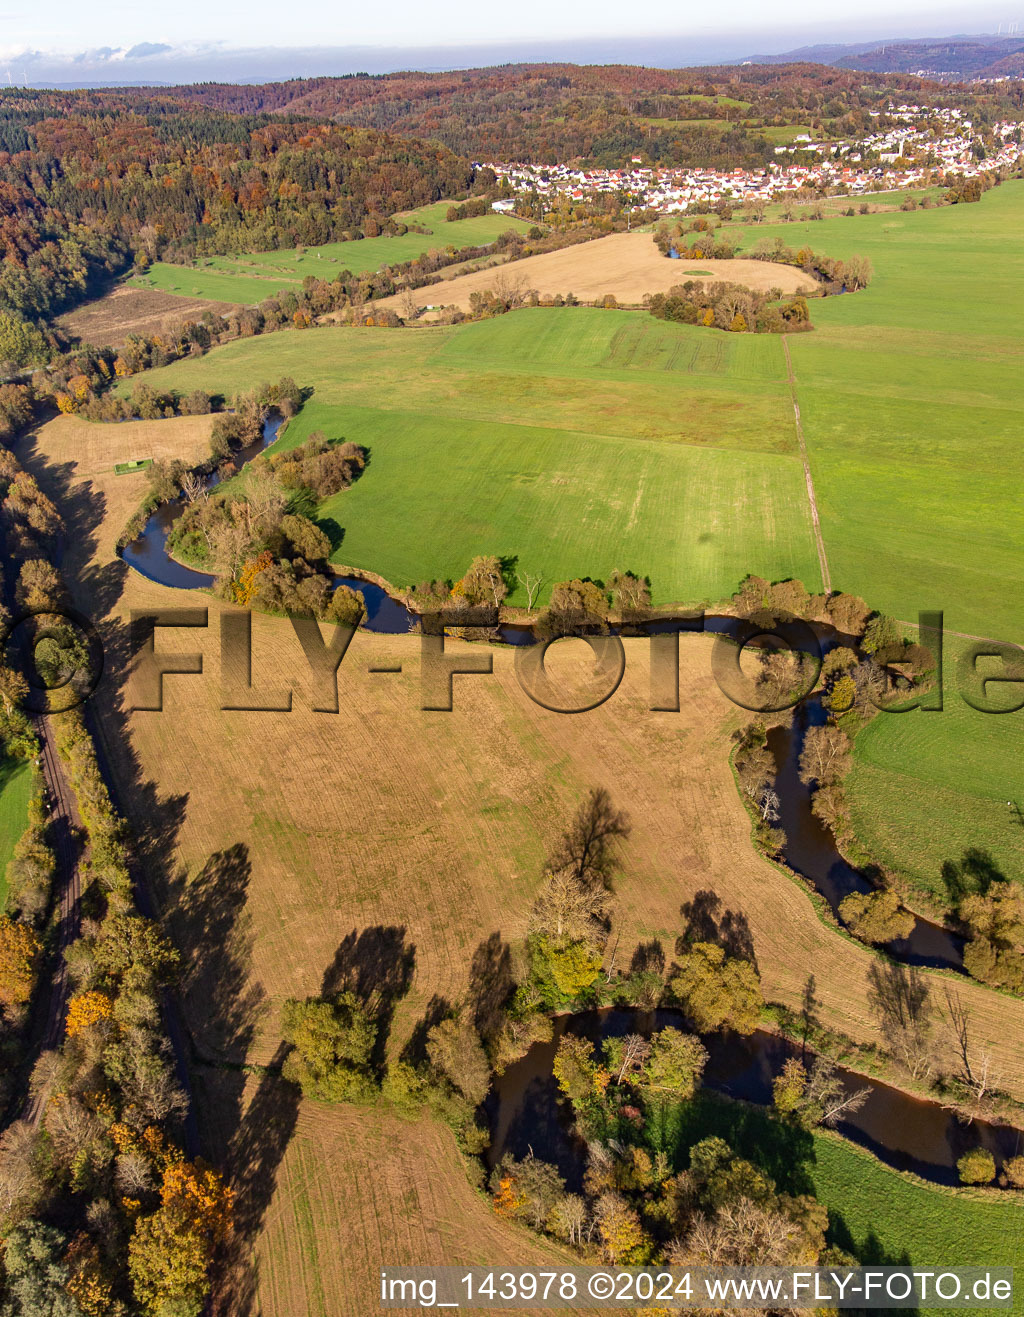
525,1107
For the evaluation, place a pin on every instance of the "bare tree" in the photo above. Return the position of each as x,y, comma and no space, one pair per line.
569,1219
631,594
635,1051
193,488
770,805
569,909
264,497
825,756
531,584
899,996
974,1072
828,1096
510,290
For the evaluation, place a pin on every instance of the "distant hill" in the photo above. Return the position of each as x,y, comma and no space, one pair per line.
957,58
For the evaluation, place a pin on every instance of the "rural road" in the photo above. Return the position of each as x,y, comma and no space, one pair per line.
826,579
64,821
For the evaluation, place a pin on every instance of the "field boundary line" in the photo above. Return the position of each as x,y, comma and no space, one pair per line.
826,579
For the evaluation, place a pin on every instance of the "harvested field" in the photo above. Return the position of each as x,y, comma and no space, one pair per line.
353,1192
109,320
102,501
336,839
627,265
290,850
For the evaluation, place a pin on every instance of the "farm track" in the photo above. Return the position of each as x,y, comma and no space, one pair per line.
64,822
826,579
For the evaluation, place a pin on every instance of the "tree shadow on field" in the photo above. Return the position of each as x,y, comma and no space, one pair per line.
223,1006
648,958
973,874
377,965
703,923
256,1151
869,1252
212,928
491,984
414,1052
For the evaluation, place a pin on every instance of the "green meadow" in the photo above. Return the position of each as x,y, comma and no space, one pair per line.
912,401
256,275
927,786
581,440
913,409
876,1213
15,792
575,439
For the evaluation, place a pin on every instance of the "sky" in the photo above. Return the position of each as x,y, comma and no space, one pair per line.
196,38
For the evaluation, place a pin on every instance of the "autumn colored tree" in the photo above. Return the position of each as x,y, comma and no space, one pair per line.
171,1250
455,1049
332,1043
19,951
675,1065
876,917
623,1241
576,1071
245,587
86,1009
484,582
718,991
976,1166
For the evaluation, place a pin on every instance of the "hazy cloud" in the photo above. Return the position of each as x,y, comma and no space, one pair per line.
146,48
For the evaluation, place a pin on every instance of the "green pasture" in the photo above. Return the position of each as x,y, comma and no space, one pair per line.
16,784
926,786
912,401
577,439
253,276
886,1218
881,1217
913,409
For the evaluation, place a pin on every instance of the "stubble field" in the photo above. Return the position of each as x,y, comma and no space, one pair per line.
286,848
626,265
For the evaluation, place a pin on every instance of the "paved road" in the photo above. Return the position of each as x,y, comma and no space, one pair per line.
64,823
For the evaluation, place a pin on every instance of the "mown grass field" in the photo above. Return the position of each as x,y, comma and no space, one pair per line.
913,409
15,792
877,1213
926,786
577,440
255,275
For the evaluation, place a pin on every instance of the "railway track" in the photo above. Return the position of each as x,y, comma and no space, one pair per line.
65,824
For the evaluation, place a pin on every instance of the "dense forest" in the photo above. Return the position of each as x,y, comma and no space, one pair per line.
549,113
93,181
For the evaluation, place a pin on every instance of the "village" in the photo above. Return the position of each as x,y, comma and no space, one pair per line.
918,146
